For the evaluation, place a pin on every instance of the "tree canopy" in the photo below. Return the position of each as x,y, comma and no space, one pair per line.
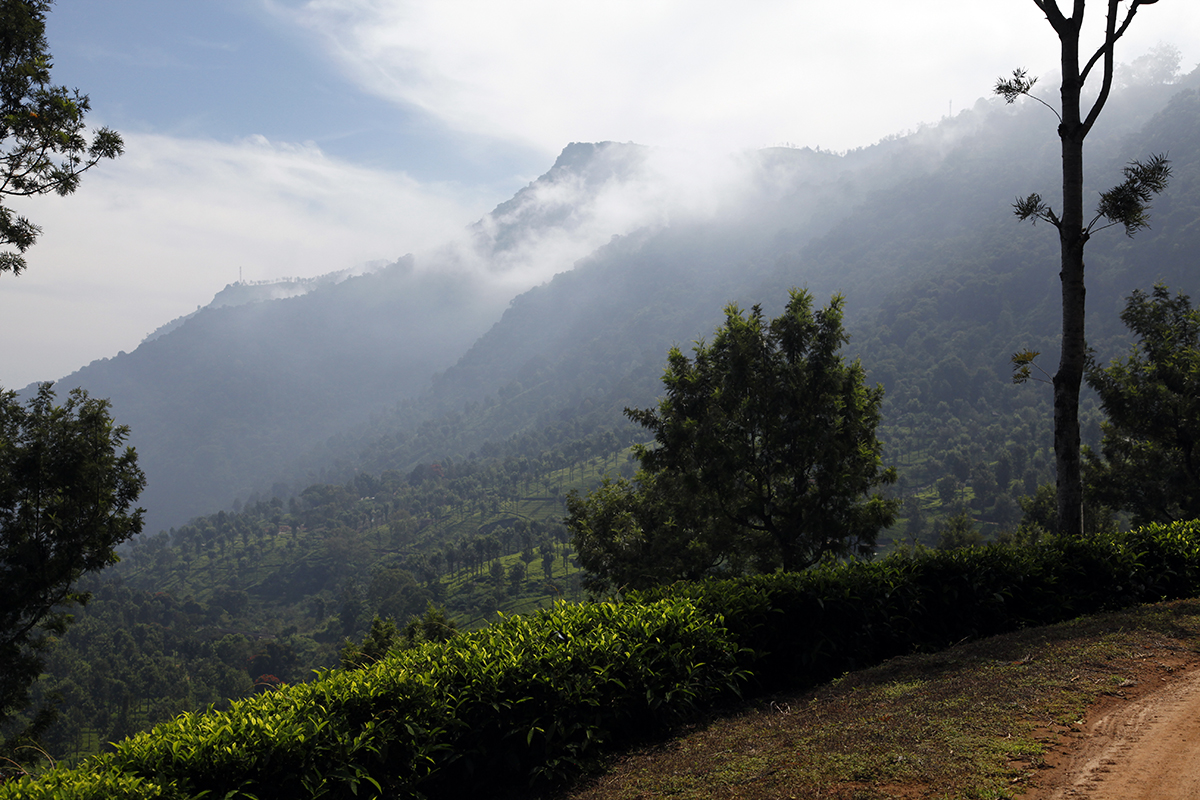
43,148
764,457
1150,456
67,490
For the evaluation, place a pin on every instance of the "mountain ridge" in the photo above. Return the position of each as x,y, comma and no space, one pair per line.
268,395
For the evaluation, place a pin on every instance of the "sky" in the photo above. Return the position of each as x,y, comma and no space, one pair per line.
290,138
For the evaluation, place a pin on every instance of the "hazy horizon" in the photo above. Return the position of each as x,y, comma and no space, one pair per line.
280,138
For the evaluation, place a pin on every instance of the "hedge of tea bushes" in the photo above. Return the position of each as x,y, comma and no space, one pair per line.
804,628
529,698
533,698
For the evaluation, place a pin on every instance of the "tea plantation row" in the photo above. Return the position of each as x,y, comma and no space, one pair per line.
531,699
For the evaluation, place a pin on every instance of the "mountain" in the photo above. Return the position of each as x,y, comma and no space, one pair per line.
240,391
943,285
248,387
445,353
409,434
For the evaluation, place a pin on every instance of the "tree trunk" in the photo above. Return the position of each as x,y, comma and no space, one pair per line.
1072,238
1066,391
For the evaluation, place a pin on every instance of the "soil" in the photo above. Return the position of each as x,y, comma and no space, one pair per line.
1143,743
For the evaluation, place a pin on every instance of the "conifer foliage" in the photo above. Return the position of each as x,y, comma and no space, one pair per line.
1150,461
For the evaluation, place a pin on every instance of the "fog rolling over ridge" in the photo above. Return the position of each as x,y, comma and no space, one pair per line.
560,304
242,390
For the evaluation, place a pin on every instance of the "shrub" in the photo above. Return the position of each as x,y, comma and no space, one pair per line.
527,699
802,628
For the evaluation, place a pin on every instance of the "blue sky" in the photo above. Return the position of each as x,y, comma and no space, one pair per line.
297,137
227,69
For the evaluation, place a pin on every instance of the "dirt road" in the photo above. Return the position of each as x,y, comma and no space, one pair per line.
1145,746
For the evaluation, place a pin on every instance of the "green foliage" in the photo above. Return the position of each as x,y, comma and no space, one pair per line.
803,628
764,456
1023,362
1128,203
958,531
1150,456
234,603
1039,516
42,145
1019,85
66,491
530,699
103,782
432,626
379,641
132,659
385,636
636,534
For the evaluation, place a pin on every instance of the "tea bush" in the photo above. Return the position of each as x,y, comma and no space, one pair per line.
802,628
531,699
528,699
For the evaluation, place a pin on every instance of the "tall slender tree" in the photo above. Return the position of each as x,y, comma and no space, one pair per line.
1125,204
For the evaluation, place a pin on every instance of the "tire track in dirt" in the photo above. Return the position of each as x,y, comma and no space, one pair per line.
1147,748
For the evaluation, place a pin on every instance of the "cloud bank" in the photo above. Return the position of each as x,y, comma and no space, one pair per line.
149,236
695,74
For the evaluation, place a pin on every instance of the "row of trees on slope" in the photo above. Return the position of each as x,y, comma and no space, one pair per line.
235,602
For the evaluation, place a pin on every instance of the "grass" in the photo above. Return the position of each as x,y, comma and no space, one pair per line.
979,720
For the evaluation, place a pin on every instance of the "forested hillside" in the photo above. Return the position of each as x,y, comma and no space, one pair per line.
942,284
389,369
237,602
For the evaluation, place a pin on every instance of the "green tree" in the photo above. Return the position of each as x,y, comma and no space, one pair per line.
43,148
516,576
1125,205
957,531
497,573
1150,454
764,457
1039,516
379,641
915,522
67,490
432,626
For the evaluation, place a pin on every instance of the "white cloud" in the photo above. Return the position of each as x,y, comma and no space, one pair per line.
695,73
152,235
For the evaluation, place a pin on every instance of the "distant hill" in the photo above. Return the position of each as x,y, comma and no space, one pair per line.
442,354
241,391
247,389
943,285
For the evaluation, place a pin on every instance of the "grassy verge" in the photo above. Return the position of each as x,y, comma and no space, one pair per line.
978,720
